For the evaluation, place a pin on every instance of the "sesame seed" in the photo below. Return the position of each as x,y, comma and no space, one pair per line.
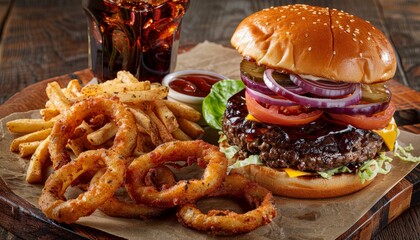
368,38
266,24
352,20
303,18
354,39
334,52
288,33
309,49
306,35
325,24
369,34
313,22
292,23
361,54
278,19
361,41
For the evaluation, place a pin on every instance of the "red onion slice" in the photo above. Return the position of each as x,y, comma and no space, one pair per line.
257,86
311,102
260,97
366,109
262,87
323,88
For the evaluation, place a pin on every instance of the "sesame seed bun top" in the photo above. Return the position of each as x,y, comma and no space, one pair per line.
322,42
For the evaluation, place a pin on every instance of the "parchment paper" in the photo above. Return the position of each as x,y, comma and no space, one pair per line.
297,218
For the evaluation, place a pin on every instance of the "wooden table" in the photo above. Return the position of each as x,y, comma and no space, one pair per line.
44,39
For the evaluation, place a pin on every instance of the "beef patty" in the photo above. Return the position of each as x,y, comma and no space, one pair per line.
317,146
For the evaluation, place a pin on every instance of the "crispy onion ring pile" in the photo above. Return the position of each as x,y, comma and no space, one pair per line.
52,201
226,222
148,186
183,191
63,130
161,177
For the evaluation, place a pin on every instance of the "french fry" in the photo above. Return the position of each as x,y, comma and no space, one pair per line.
75,87
92,90
57,97
28,148
183,110
164,134
126,77
180,135
147,125
49,104
34,136
192,129
80,144
141,96
144,145
28,125
37,162
166,116
103,134
49,113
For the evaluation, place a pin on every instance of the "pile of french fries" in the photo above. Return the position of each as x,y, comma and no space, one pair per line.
158,120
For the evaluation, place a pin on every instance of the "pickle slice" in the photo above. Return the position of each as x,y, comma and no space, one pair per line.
255,72
377,92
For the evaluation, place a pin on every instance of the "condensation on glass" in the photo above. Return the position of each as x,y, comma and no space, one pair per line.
141,37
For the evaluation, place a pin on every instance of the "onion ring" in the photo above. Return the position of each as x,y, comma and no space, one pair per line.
115,207
52,201
183,191
226,222
124,141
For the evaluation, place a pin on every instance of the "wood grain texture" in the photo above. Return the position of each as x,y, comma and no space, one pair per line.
44,39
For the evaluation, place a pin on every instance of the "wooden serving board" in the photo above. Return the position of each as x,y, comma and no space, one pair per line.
15,210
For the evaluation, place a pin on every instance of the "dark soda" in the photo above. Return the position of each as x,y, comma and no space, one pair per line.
139,36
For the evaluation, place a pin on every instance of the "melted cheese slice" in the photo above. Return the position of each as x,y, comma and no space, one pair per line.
249,117
389,134
295,173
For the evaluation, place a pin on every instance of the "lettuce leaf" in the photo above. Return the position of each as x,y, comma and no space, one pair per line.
214,105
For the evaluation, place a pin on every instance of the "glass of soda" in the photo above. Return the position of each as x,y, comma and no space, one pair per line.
140,36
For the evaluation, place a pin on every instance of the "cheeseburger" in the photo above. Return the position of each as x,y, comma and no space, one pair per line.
316,113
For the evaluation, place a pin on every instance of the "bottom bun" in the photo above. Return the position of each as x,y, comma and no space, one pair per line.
280,184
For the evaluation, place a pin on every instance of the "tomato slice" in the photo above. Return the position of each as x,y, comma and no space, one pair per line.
376,121
286,116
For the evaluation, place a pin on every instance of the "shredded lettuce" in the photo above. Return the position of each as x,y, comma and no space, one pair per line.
214,105
329,173
251,160
231,151
404,154
370,169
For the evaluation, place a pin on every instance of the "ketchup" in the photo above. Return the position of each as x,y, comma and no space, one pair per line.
197,85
